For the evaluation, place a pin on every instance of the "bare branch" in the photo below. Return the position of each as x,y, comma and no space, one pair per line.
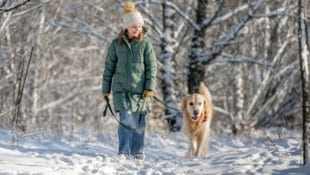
7,19
209,21
86,29
14,6
242,59
264,83
230,14
223,42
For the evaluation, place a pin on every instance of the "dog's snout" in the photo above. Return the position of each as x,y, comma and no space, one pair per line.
196,112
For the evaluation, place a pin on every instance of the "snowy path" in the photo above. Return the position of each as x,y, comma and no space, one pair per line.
164,155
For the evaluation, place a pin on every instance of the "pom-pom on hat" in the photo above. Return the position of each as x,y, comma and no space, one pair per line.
131,15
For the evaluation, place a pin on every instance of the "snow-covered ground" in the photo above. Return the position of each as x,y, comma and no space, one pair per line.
262,152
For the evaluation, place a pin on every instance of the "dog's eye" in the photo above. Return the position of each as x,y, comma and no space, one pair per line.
199,103
191,103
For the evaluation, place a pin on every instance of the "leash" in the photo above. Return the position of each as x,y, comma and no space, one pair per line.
108,106
163,103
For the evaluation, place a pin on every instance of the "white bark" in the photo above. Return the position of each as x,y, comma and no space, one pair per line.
4,23
239,99
266,79
304,69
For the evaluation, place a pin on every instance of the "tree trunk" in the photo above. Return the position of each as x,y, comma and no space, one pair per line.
196,69
168,69
303,52
197,57
18,121
239,101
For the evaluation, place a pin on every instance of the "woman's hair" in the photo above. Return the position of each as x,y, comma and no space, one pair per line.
125,32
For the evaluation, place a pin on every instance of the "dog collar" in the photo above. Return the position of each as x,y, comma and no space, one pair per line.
204,118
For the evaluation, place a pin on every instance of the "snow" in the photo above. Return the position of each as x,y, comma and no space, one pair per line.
272,151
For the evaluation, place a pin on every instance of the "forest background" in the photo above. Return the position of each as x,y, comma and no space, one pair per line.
246,51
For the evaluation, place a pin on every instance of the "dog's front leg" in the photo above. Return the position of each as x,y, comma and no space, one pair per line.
194,147
190,152
199,151
202,147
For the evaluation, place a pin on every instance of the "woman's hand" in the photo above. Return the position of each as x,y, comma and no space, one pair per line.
105,95
147,94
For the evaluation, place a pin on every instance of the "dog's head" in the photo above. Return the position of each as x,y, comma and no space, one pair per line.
194,105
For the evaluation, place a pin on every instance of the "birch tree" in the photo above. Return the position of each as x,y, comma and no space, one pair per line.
172,34
238,118
166,59
244,53
303,52
20,60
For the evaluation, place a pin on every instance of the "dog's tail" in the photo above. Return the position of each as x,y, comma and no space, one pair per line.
205,91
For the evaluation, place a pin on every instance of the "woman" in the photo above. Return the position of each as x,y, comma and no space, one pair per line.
130,73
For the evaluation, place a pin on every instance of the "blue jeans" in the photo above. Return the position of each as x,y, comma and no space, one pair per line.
131,137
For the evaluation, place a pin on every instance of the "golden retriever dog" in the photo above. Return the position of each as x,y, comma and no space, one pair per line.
197,116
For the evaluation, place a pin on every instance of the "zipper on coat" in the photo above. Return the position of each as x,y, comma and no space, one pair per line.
129,64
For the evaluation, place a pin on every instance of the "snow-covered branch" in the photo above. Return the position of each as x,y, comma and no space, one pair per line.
230,14
7,19
152,21
219,45
178,10
14,6
81,27
284,11
58,102
213,17
267,79
241,59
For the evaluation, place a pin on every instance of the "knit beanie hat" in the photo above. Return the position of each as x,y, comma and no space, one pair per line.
131,15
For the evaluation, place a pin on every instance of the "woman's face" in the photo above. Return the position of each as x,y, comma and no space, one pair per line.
134,30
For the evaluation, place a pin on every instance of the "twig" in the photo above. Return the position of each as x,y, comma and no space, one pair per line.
14,6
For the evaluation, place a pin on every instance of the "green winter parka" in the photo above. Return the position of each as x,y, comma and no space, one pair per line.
130,68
